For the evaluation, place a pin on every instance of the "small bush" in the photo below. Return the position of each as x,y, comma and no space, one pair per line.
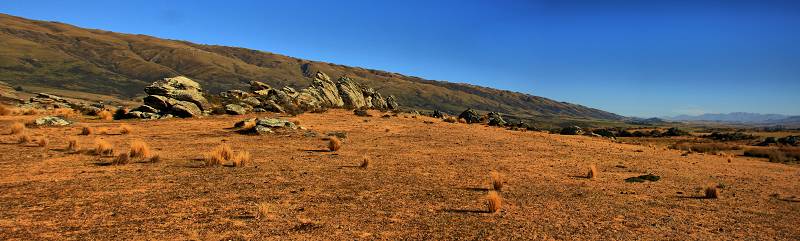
712,192
219,155
121,159
103,148
592,172
493,202
497,181
105,115
72,145
334,144
86,131
125,129
139,149
17,128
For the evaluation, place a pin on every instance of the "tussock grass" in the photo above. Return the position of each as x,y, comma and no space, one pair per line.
105,115
72,145
139,150
263,210
494,202
103,148
365,162
592,172
125,129
121,159
219,155
240,159
497,181
86,131
155,158
66,113
334,144
23,138
712,192
42,142
450,119
17,128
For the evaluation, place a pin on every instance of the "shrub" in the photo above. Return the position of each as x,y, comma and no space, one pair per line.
65,112
139,149
712,192
497,180
103,148
105,115
125,129
240,159
219,155
676,132
736,136
17,128
121,159
73,145
334,144
86,131
592,172
493,202
120,114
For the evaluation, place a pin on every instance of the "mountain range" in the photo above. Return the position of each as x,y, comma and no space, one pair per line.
737,117
62,56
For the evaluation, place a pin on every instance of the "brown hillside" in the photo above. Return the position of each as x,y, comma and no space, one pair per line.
50,54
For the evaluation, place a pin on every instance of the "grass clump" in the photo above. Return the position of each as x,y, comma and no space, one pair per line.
365,162
139,150
125,129
240,159
17,128
497,181
103,148
592,172
72,145
712,192
105,115
121,159
334,144
42,142
493,202
23,138
85,131
5,110
223,153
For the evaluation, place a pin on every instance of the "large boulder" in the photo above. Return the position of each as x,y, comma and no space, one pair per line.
258,85
50,121
470,115
327,90
185,109
374,99
391,103
179,88
158,102
234,109
351,93
495,119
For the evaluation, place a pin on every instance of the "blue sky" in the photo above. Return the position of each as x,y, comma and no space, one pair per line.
635,58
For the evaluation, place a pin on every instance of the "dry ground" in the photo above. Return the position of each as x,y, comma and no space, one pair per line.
425,181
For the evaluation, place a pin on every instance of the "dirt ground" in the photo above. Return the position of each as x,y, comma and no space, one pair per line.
425,181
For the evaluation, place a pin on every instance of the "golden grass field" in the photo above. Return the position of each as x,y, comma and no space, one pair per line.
423,181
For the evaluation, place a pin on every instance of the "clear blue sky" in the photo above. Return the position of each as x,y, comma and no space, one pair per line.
635,58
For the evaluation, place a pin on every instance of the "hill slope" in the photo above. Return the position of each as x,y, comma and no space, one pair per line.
40,53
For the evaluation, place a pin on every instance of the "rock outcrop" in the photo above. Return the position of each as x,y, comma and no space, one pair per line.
50,121
178,96
470,116
495,119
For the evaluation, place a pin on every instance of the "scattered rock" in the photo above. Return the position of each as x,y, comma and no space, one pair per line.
495,119
50,121
643,178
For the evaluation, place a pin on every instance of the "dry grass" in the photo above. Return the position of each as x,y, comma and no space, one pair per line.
240,159
17,128
782,155
105,115
219,155
23,138
296,122
125,129
42,142
704,147
103,148
712,191
121,159
592,172
334,144
30,112
365,162
493,202
155,158
450,119
497,181
462,121
66,113
72,145
263,210
5,110
86,131
139,150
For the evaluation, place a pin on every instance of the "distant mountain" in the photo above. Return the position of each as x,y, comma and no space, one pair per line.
735,117
62,56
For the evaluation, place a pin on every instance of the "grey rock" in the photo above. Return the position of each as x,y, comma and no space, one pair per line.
329,93
146,108
179,88
234,109
351,93
262,130
495,119
158,102
252,101
185,109
258,85
50,121
275,123
470,115
391,103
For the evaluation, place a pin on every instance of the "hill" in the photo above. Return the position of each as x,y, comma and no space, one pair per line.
62,56
734,117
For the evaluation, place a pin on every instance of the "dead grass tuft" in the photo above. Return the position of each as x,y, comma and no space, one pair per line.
103,148
17,128
462,121
334,144
592,172
23,138
494,202
365,162
125,129
497,181
712,191
121,159
66,113
105,115
42,142
240,159
139,150
155,158
72,145
86,131
450,119
219,155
